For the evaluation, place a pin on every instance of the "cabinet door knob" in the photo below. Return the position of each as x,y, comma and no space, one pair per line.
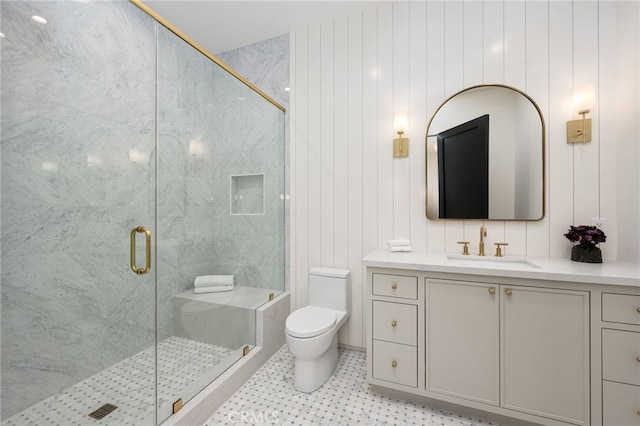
638,310
508,292
638,358
394,286
394,323
394,363
492,290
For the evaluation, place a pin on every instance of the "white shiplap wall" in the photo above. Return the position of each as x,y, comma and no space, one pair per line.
350,75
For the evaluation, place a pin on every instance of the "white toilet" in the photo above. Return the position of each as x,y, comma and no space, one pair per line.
312,331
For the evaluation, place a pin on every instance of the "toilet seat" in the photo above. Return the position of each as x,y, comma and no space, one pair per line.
310,321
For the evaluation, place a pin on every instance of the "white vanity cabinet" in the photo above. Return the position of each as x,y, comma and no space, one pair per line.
620,359
462,328
517,347
544,342
394,331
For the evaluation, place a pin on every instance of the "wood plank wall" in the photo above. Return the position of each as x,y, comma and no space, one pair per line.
351,75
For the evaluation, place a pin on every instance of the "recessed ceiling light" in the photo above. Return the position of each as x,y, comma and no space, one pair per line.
1,35
39,19
286,89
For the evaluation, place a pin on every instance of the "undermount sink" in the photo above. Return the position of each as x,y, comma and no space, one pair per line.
491,262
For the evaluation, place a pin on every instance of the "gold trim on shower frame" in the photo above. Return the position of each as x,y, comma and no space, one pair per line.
202,50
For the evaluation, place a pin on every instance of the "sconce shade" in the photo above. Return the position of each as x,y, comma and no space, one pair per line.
400,123
584,98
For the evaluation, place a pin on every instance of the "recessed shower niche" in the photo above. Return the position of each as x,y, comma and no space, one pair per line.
247,194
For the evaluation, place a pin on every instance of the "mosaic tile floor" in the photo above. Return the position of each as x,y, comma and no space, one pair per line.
270,398
129,385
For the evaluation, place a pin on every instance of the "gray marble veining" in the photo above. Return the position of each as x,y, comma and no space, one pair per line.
266,65
210,127
81,166
70,192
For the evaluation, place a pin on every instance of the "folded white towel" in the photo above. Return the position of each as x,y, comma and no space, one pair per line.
398,243
214,289
213,281
399,248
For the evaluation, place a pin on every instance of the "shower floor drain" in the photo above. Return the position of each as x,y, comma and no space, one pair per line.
103,411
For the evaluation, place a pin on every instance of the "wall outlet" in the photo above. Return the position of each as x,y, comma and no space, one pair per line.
600,222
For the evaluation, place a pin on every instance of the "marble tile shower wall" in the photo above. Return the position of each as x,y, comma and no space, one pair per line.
266,64
78,173
210,127
70,193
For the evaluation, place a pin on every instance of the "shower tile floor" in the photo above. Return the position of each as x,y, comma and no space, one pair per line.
129,386
269,397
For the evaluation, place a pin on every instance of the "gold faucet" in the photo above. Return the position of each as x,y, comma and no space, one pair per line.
483,233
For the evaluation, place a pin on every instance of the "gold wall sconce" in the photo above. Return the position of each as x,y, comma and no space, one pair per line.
579,131
400,144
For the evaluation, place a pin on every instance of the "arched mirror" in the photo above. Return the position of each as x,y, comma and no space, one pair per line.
485,156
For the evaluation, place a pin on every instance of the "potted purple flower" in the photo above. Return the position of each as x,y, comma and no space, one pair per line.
588,238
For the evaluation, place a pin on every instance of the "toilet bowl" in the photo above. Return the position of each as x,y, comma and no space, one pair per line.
312,331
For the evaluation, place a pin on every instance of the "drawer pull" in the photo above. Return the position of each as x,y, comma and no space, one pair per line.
508,292
394,323
394,286
394,363
492,290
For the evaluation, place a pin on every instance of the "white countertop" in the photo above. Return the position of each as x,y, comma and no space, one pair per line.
539,268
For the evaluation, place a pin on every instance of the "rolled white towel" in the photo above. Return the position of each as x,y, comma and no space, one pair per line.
213,289
396,249
213,281
398,243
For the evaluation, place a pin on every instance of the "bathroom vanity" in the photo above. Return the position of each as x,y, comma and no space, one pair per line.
542,340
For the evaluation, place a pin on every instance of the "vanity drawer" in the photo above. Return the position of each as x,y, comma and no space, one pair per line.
395,363
395,322
620,404
402,286
621,356
622,308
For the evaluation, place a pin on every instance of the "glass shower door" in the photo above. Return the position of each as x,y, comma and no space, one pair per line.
77,176
191,349
220,199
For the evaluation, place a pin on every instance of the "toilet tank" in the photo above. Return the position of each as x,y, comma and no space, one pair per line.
330,288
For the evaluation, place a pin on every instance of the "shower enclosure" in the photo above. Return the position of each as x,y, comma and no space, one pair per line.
131,163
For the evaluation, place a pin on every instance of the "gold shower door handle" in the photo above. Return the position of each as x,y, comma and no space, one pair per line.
147,233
